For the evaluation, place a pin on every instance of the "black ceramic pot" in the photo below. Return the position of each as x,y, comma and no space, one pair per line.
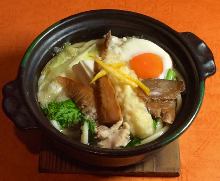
190,54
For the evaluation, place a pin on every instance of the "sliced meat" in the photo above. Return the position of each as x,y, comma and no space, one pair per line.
161,102
109,111
116,136
164,89
104,48
166,110
82,95
169,111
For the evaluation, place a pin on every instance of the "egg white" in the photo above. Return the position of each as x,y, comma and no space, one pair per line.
127,48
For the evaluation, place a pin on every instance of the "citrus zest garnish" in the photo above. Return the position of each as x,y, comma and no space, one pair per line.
120,75
139,83
114,72
102,73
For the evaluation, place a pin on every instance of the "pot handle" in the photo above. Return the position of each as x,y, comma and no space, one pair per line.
14,107
204,57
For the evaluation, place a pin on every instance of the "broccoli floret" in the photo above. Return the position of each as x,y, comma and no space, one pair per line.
65,113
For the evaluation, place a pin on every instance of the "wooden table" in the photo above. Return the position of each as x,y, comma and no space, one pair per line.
21,21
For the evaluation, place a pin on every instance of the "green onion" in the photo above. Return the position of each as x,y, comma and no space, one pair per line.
134,141
85,133
154,124
171,75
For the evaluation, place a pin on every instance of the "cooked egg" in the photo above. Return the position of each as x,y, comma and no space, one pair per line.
147,59
147,65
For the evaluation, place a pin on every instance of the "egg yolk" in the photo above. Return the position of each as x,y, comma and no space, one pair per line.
147,65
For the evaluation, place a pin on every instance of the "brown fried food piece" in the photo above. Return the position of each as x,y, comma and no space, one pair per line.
81,94
109,111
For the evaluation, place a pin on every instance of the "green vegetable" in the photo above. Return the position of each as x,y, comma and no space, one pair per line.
85,133
171,75
157,124
65,113
92,126
92,130
134,141
88,130
154,124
